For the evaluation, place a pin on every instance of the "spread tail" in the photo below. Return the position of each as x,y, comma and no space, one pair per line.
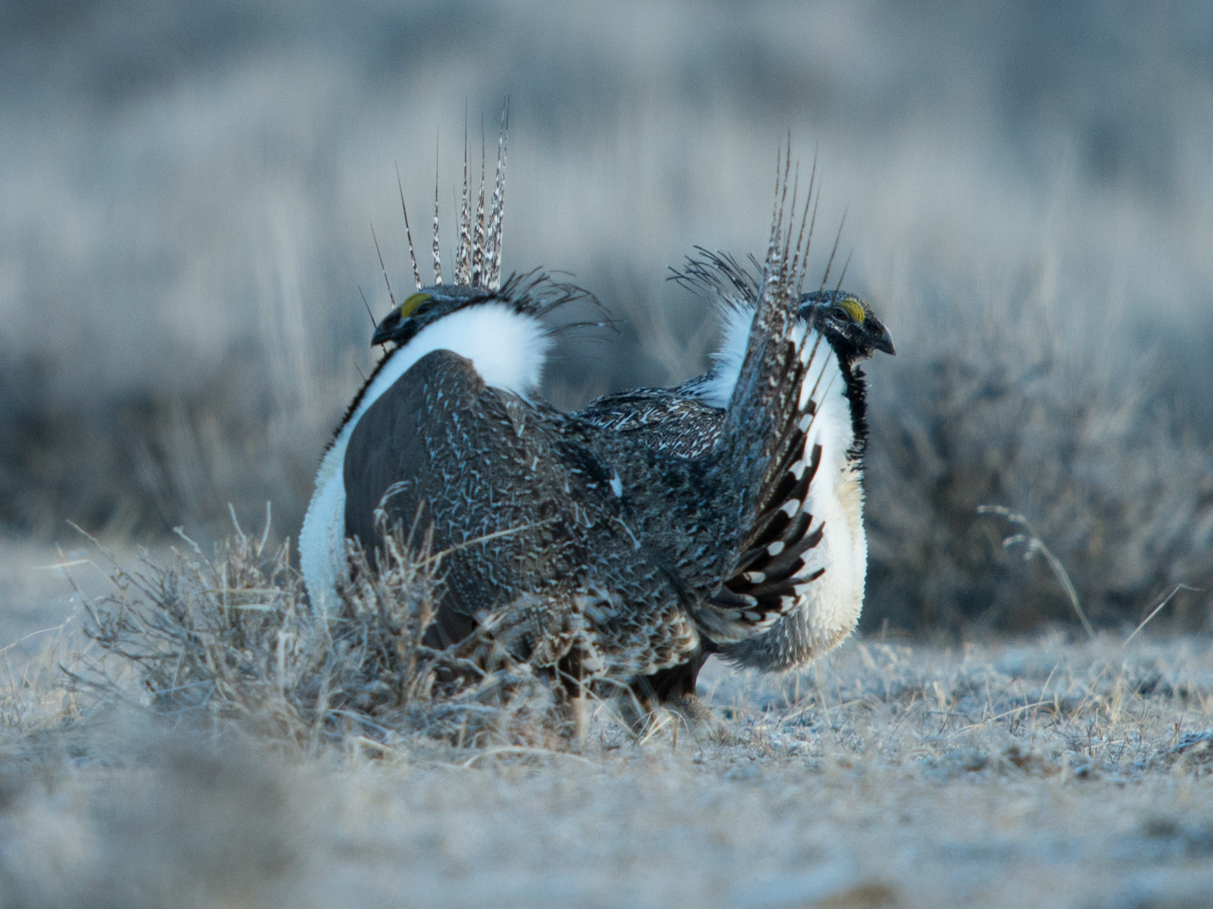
762,452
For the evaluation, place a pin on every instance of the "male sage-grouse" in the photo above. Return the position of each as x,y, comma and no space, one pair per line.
687,420
586,552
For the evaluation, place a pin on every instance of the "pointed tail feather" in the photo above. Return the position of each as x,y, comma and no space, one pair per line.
762,448
478,237
437,251
408,231
463,255
497,209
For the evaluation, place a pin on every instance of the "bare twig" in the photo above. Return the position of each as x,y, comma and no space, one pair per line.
1033,544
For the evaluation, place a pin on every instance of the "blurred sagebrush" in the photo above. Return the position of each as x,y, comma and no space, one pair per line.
1060,422
185,232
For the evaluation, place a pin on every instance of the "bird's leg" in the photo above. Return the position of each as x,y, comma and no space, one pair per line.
575,684
673,690
577,707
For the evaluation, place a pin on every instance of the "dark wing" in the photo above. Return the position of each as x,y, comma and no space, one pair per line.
443,449
522,507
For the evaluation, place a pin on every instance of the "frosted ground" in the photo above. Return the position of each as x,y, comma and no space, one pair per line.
184,243
186,240
1039,772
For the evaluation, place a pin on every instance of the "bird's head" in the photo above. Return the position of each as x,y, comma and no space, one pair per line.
425,308
847,322
531,295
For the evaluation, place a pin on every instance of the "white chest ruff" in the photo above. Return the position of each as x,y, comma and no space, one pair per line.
508,351
828,607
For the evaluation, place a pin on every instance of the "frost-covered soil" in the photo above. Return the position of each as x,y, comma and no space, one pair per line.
1027,773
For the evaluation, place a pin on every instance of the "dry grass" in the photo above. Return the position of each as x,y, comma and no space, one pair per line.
230,764
228,642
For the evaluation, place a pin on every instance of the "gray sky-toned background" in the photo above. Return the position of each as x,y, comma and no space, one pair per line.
188,192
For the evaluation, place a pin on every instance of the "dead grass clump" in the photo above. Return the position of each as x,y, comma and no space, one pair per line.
230,642
38,712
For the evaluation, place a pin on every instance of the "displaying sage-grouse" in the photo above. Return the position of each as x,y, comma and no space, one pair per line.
586,552
687,420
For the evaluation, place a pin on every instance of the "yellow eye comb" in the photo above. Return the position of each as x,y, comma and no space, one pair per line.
409,306
854,309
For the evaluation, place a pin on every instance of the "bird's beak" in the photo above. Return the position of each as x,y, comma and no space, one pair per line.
881,339
389,329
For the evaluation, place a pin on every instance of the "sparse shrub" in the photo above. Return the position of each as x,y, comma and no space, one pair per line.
230,639
1013,411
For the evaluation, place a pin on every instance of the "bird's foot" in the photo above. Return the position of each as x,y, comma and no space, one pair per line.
687,712
701,721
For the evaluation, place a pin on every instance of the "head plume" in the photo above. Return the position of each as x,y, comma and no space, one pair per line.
478,254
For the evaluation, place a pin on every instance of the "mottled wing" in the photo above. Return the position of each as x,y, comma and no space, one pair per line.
523,509
443,449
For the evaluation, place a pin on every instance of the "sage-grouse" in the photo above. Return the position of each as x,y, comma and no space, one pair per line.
687,420
586,553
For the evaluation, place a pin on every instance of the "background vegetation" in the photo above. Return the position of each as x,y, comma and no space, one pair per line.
188,192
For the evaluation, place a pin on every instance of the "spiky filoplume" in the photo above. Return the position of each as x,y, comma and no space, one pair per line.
527,297
492,252
581,551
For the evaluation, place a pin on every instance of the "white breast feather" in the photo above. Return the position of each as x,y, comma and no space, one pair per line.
736,319
829,606
507,349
